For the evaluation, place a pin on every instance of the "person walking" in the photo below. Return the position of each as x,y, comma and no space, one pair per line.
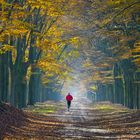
69,98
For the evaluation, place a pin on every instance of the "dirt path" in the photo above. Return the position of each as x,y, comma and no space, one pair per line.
84,121
77,127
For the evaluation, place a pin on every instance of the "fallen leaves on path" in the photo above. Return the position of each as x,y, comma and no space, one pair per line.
84,121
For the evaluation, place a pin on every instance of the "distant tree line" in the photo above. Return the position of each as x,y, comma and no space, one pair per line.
114,64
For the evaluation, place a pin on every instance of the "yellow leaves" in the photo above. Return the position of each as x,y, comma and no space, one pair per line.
15,28
94,87
137,44
51,66
20,14
102,65
8,48
136,53
48,47
114,2
53,13
2,37
4,4
126,55
12,21
19,24
2,1
54,31
54,8
74,40
26,56
105,21
104,79
5,48
120,52
11,11
34,4
87,64
16,32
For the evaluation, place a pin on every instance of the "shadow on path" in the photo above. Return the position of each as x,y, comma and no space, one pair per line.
85,120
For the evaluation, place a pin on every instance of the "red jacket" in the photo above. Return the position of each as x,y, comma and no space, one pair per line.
69,98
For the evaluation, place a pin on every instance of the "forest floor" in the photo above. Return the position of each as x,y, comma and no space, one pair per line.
85,121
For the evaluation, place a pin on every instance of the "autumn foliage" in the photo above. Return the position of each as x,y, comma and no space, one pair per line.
41,41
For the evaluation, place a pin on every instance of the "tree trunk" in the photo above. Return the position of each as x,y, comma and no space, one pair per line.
19,86
128,77
34,86
118,84
4,77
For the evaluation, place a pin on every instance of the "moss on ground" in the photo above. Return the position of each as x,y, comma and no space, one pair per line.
110,107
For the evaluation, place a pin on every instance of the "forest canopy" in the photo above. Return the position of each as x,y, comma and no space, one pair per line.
43,43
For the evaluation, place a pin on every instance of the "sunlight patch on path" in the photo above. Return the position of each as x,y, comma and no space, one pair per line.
87,129
78,113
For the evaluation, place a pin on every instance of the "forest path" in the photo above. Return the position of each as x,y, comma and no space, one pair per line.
85,121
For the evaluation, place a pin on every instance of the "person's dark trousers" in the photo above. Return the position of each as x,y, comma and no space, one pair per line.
68,104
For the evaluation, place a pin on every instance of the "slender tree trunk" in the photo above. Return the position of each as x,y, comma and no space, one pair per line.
118,84
110,92
128,77
34,86
4,77
137,90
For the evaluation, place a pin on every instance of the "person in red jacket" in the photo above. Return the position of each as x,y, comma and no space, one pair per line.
69,98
